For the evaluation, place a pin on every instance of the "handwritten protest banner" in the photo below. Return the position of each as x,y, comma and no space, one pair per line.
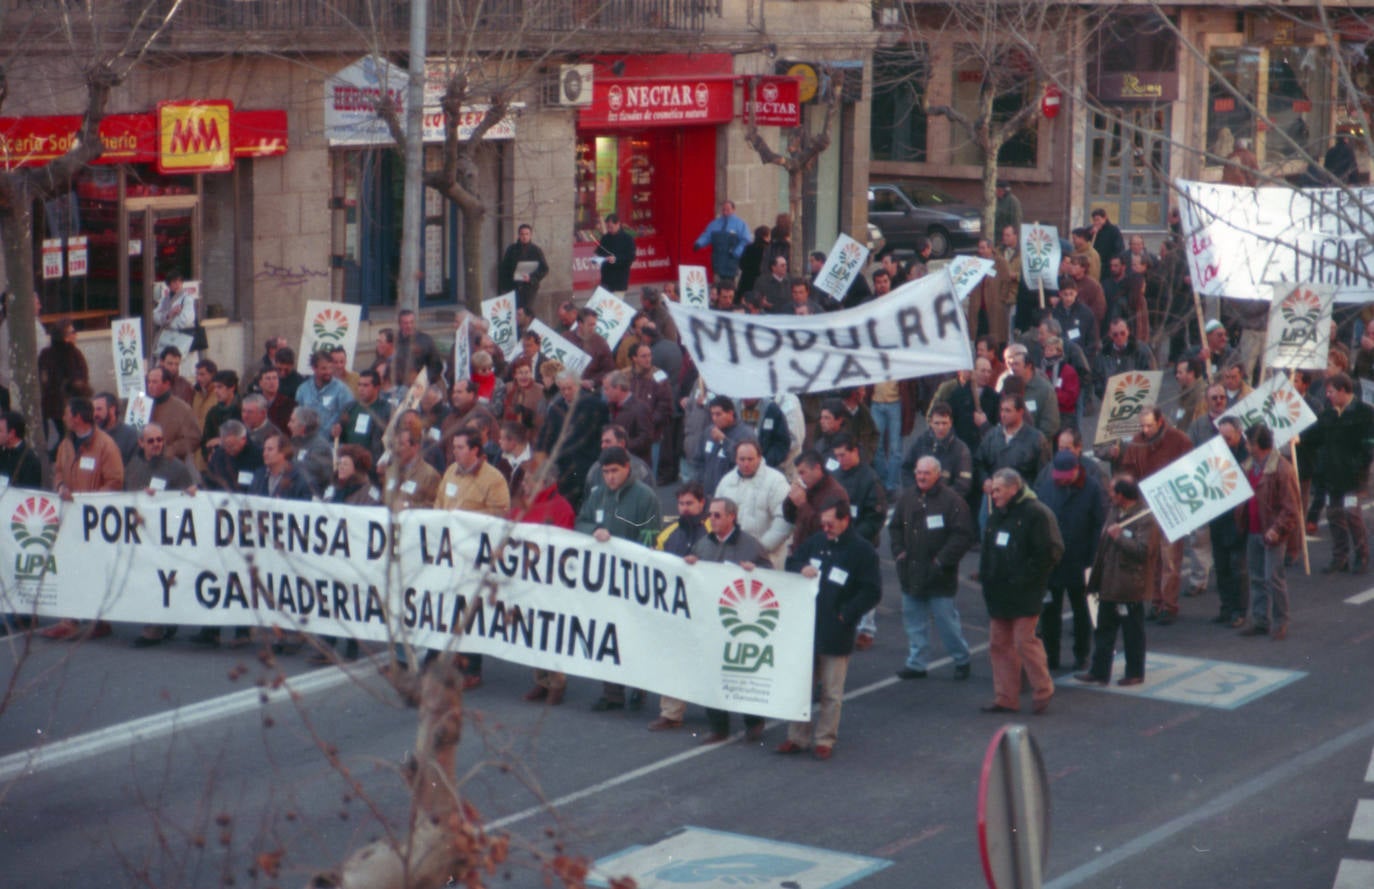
1238,239
462,349
1276,404
1040,256
126,337
499,313
328,325
1125,396
916,330
1300,327
613,315
842,266
554,345
693,286
1196,488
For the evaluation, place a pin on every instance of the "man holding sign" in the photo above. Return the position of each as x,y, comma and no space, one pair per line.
1270,518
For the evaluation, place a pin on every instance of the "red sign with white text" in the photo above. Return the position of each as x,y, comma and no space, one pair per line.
662,102
773,101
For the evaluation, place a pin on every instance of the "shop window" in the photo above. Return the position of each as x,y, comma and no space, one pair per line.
900,79
1297,84
1014,86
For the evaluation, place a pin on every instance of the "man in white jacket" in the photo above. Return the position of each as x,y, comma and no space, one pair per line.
760,492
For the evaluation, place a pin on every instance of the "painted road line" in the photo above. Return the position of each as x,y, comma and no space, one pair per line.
1354,874
1361,598
1362,825
160,725
1369,771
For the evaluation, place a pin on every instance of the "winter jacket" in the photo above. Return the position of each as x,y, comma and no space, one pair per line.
717,459
1110,362
867,500
1021,546
1343,440
1042,405
637,419
681,536
90,465
775,439
761,500
1143,457
806,519
482,490
1124,569
738,548
630,513
929,533
291,486
1080,508
1276,495
1026,452
956,460
849,586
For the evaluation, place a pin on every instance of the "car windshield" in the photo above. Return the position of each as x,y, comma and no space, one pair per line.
926,196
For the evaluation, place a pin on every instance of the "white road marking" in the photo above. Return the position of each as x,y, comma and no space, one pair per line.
1354,874
160,725
1362,825
1361,598
1369,771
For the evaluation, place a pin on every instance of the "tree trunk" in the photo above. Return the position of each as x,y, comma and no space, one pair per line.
796,259
16,233
473,286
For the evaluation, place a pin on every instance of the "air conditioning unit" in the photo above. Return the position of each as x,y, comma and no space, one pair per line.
575,85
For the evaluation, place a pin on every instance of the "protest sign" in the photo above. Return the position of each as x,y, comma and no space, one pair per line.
1276,404
842,266
328,325
966,272
139,411
1300,327
167,337
1123,399
499,313
177,311
1196,488
126,337
917,329
1238,239
557,347
709,633
613,316
1040,256
462,350
693,286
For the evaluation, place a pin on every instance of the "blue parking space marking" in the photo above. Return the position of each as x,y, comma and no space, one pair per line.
711,859
1221,685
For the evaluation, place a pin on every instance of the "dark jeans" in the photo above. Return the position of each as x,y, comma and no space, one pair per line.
1132,625
1052,622
1229,563
720,721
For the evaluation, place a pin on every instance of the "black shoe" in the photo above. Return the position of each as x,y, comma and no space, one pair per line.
602,705
147,641
1222,618
962,671
1336,568
1153,614
207,636
636,701
908,673
1256,630
1091,679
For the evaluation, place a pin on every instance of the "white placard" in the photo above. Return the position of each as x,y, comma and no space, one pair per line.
169,337
555,346
693,286
1300,327
613,316
77,256
52,258
1276,404
1040,256
328,324
844,264
499,313
126,339
916,330
1123,399
1196,488
139,412
462,350
967,272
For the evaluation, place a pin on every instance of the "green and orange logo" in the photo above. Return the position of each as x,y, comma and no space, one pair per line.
747,607
34,525
330,326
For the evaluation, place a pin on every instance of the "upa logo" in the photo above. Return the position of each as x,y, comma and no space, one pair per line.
748,608
1039,248
34,525
1129,396
1302,312
1283,408
1214,479
331,326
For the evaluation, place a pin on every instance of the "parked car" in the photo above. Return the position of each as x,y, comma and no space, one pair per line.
905,211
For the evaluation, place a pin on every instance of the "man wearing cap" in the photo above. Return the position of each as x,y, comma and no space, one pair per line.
1078,502
1216,352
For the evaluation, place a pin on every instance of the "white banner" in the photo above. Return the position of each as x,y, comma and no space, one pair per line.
1040,256
1300,328
966,272
1276,404
842,266
709,633
126,339
328,324
462,350
1239,239
1122,401
613,316
499,313
693,286
916,330
1196,488
554,345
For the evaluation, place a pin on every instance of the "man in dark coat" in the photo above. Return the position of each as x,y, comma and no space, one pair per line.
929,533
850,585
577,447
1122,576
617,246
1342,437
509,277
1076,498
1021,546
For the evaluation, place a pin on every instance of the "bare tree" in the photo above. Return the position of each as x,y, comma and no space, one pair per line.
103,65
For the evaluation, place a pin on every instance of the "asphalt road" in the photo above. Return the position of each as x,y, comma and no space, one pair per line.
1242,763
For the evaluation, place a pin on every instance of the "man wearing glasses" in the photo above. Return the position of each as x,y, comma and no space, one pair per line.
1122,353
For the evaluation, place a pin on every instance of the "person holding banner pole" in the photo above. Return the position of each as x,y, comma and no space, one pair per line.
1342,437
1122,576
1270,518
1158,445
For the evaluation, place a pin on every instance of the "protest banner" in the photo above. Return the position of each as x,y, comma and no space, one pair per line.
1040,256
613,316
1196,488
1276,404
557,347
139,411
1123,399
1300,327
126,338
693,286
328,325
462,349
917,329
1239,239
709,633
842,266
967,271
499,313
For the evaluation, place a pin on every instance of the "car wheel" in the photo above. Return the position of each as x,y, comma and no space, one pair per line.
939,243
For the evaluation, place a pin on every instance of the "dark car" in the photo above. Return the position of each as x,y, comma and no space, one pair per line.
905,211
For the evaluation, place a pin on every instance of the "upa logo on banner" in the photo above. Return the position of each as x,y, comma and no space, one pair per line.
331,329
1213,480
1126,396
34,525
692,286
747,607
1300,328
1040,255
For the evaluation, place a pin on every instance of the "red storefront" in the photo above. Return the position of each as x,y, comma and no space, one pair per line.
646,149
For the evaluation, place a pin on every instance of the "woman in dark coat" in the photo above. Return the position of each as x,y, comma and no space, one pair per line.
751,261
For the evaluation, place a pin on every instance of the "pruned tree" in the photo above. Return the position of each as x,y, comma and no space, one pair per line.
103,62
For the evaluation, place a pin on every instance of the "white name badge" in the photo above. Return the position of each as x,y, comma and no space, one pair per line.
832,465
433,434
1128,533
408,487
935,522
710,447
329,493
1178,414
767,425
391,484
838,574
600,515
86,464
1073,333
245,477
1351,501
362,424
376,494
1121,611
4,482
328,400
157,484
1030,404
1003,538
1059,383
853,510
816,563
451,490
659,376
